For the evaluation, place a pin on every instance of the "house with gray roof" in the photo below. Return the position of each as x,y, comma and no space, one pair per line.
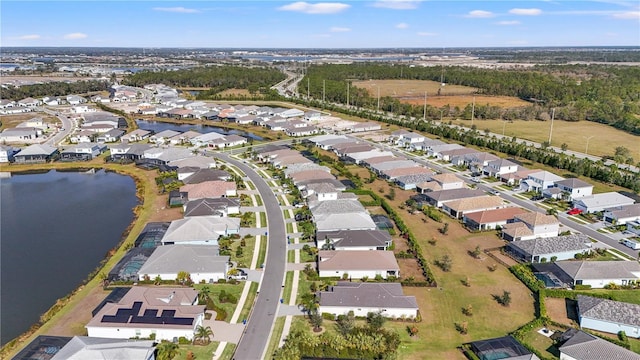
531,225
198,161
126,151
499,167
339,186
357,264
138,135
112,135
363,298
410,182
162,156
621,215
200,230
336,207
85,347
602,201
202,175
202,262
362,157
222,207
358,220
584,346
599,274
163,136
295,168
437,198
19,134
426,144
82,152
574,188
539,180
37,154
400,163
345,240
609,316
544,249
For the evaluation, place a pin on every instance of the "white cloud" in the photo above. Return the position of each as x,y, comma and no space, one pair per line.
178,9
339,29
319,8
508,22
75,36
526,12
479,14
397,4
422,33
627,15
402,26
29,37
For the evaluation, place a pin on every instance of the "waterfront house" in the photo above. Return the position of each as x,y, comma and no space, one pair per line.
86,347
357,264
165,313
363,298
196,175
82,152
210,189
37,153
7,152
200,230
212,207
609,316
202,262
137,135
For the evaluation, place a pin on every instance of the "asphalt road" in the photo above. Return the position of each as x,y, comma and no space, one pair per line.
67,125
259,325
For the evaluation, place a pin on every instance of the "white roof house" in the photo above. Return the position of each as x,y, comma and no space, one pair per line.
357,264
542,180
600,202
200,230
575,188
202,262
85,347
599,274
621,215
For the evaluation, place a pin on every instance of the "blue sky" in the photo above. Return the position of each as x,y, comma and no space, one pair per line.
340,24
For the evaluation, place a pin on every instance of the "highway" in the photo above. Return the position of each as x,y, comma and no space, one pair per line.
260,324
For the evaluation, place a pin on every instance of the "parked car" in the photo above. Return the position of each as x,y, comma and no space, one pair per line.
574,211
237,274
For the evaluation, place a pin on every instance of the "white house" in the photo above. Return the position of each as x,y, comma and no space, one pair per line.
363,298
167,313
7,152
498,167
85,347
551,248
609,316
406,140
599,274
200,230
531,225
574,188
621,215
491,219
602,201
540,180
357,264
202,262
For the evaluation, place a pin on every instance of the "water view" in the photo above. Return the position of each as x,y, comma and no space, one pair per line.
157,126
56,227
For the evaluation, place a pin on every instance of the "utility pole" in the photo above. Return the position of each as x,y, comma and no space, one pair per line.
424,111
553,113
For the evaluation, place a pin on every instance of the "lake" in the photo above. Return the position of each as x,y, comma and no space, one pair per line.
158,126
56,228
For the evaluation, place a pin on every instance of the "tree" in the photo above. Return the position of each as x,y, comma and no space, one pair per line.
468,310
392,194
183,278
316,320
552,211
412,330
564,146
345,323
504,299
375,320
462,327
444,229
167,351
204,294
444,263
308,302
157,280
476,252
203,333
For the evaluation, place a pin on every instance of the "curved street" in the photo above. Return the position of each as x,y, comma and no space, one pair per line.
253,343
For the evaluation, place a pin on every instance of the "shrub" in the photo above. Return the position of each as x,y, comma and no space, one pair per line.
328,316
183,341
462,328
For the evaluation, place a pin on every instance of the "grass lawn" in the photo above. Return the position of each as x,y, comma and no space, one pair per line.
247,252
618,252
248,304
304,286
289,227
543,343
263,251
199,351
305,257
288,283
286,213
263,219
228,352
259,200
276,333
214,291
629,296
251,186
290,256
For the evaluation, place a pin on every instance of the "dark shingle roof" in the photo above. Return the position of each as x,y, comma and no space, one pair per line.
346,238
550,245
585,346
608,310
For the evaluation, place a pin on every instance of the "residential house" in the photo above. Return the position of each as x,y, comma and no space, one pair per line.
531,225
227,141
163,136
397,173
128,152
574,188
621,215
461,207
210,189
438,198
164,313
19,134
322,191
336,184
82,152
515,178
406,139
301,131
398,163
137,135
476,162
164,155
85,347
444,181
602,201
112,135
356,220
363,298
411,181
194,175
583,346
450,155
540,180
83,136
379,157
346,150
426,145
550,248
29,102
197,161
37,153
435,150
361,157
311,175
491,219
202,262
609,316
200,230
366,126
212,207
104,118
7,152
357,264
349,240
599,274
500,167
75,100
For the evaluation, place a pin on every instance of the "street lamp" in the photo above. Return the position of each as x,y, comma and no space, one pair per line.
586,150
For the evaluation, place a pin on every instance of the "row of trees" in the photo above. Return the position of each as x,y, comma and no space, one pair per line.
57,88
605,94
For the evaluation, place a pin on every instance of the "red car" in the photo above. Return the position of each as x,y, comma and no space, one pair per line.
574,211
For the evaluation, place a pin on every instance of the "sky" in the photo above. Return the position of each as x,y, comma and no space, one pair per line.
341,24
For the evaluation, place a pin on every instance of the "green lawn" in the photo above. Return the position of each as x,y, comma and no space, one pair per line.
228,352
286,214
275,336
542,343
306,257
248,304
263,251
199,351
304,286
247,253
629,296
214,291
251,186
289,226
291,256
263,219
259,200
288,284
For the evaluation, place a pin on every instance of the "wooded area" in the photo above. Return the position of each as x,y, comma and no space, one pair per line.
58,88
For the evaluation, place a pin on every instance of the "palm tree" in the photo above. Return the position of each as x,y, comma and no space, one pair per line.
308,302
204,293
167,351
203,333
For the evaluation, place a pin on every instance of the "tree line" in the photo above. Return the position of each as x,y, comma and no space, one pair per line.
604,94
57,88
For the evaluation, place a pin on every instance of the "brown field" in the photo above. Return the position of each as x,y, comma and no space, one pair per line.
11,121
412,92
575,134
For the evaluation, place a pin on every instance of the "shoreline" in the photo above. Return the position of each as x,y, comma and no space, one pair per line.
62,306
